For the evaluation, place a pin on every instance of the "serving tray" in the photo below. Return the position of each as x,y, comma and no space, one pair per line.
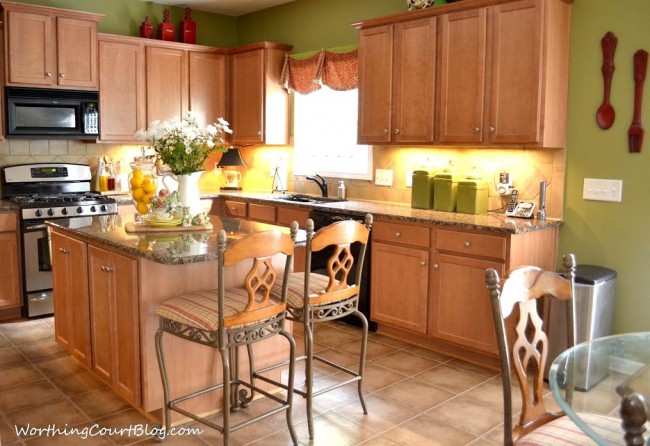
143,227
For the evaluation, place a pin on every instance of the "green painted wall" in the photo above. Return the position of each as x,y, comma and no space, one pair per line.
609,234
313,24
124,17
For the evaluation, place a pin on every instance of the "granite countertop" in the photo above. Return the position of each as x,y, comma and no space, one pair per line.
173,247
491,222
6,205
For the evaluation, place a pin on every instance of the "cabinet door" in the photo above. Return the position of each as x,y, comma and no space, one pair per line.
166,83
9,273
122,90
31,49
515,99
461,311
462,76
415,81
399,286
76,53
261,212
207,82
375,84
101,308
248,97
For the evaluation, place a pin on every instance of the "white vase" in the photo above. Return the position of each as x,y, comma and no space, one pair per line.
188,191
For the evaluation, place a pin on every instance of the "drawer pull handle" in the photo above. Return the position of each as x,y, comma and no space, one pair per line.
423,263
467,244
61,75
435,266
477,129
106,269
397,131
492,129
398,234
48,74
385,131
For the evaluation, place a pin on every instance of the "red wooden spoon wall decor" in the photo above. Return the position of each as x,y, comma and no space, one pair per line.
605,114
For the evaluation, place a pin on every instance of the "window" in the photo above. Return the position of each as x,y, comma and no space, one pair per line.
325,135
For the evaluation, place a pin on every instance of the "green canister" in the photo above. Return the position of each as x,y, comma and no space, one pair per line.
445,191
422,190
472,196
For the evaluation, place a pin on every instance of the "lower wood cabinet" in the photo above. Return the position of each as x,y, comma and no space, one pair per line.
10,295
71,305
113,290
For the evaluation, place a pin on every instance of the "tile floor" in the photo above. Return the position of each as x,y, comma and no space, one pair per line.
414,397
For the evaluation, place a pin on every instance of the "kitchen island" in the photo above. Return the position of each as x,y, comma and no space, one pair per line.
107,285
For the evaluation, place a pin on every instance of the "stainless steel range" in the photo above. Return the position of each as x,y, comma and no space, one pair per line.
48,191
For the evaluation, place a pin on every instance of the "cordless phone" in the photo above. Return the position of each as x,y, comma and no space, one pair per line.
512,202
522,209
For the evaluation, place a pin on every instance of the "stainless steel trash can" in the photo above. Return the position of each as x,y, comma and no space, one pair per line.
594,316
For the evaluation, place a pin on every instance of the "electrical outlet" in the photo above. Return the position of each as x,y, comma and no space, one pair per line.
602,190
383,177
409,177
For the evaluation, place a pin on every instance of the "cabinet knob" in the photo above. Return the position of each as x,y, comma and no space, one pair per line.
48,74
467,244
106,269
259,133
492,129
396,131
435,266
398,234
477,129
64,250
385,131
423,263
61,75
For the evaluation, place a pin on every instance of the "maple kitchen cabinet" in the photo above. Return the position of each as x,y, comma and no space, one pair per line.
397,73
10,294
260,105
50,47
502,73
113,291
71,304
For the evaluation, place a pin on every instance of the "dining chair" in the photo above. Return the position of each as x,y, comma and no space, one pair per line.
229,318
523,350
634,414
314,298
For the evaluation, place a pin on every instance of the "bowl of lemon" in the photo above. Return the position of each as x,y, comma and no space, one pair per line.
143,185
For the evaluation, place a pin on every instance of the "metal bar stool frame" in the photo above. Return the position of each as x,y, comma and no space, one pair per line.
255,323
330,298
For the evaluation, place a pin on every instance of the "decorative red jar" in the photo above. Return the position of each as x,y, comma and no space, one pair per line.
146,29
166,29
188,28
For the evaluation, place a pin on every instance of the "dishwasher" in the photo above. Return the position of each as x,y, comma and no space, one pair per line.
319,263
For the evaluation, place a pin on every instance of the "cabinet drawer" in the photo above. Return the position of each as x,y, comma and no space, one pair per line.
286,216
471,244
236,208
8,221
261,212
400,233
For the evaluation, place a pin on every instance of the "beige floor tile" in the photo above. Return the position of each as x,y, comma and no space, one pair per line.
427,431
376,377
10,357
333,337
41,349
491,392
81,436
473,368
483,442
4,342
374,349
393,342
28,395
184,440
7,433
406,363
380,440
32,334
59,413
58,365
427,353
299,414
276,439
20,373
416,394
100,403
77,382
451,378
122,427
340,358
383,413
20,324
476,417
333,429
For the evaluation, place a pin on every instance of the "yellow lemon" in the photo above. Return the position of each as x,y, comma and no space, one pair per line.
136,182
142,208
137,194
149,185
146,198
143,245
137,173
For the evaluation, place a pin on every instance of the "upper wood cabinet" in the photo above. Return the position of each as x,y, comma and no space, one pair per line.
260,105
208,96
166,83
503,73
397,82
50,47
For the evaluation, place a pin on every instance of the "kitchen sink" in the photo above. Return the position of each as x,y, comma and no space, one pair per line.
298,198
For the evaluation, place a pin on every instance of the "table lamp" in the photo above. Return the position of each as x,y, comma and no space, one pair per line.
232,178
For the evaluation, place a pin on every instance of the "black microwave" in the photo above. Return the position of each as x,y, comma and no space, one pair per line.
42,113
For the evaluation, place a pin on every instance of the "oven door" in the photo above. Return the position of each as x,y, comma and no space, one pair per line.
37,269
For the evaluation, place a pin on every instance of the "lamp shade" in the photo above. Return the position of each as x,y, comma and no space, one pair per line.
231,158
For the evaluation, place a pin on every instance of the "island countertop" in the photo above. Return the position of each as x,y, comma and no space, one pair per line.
170,247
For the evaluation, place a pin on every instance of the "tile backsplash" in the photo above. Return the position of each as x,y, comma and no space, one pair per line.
526,166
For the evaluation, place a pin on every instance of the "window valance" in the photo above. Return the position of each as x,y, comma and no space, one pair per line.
336,70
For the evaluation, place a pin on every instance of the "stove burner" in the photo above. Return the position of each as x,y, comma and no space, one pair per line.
44,199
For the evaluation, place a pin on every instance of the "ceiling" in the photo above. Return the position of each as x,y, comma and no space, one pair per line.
226,7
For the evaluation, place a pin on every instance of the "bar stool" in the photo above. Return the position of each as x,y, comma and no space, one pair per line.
226,319
314,298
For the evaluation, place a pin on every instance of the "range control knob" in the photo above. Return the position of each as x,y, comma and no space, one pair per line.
103,208
93,209
50,212
38,213
64,211
79,210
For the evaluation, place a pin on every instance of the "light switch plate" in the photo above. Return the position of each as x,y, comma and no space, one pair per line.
409,178
383,177
602,190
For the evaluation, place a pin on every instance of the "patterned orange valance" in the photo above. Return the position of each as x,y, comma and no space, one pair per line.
336,70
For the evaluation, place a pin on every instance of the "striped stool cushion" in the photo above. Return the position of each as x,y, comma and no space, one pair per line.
564,432
317,284
200,309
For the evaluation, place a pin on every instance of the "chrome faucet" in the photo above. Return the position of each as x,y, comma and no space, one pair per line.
322,184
